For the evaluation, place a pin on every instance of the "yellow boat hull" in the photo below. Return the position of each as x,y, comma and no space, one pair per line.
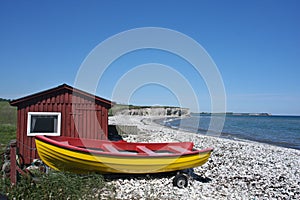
64,159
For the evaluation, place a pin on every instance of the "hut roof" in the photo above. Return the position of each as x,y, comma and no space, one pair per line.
61,88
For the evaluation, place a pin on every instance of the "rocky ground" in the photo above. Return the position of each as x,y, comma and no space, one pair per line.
236,169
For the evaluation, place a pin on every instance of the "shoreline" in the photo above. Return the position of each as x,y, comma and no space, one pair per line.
227,135
236,169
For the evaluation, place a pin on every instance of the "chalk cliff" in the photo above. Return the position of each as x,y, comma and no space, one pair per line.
154,111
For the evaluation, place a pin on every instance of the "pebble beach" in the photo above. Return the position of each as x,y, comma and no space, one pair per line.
236,169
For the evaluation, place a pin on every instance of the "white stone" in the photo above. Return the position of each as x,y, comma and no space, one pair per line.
237,169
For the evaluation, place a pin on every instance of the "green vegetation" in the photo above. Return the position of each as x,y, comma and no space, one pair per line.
56,185
8,121
8,114
7,133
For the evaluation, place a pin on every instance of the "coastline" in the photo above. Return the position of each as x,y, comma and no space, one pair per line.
236,169
269,136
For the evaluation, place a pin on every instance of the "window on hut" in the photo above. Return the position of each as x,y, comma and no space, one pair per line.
43,123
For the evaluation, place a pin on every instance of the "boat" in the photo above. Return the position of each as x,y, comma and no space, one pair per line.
102,156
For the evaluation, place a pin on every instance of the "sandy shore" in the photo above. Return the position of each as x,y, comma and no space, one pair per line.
236,169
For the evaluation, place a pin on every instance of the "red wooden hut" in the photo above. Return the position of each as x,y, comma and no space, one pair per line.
62,110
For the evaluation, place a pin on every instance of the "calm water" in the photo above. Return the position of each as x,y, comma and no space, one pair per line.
277,130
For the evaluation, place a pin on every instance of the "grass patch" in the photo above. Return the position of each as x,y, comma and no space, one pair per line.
8,121
8,133
8,114
57,185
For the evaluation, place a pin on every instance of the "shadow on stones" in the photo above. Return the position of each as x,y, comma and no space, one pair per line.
111,177
169,175
201,179
196,177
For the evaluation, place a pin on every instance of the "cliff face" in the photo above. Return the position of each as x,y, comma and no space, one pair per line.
176,112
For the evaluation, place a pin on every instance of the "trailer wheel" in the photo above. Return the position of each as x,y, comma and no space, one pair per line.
180,180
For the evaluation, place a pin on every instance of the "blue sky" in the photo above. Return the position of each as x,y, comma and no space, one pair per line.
255,45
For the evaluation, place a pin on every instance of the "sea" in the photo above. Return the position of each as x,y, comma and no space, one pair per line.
281,131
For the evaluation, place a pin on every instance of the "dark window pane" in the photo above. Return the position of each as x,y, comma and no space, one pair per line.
43,124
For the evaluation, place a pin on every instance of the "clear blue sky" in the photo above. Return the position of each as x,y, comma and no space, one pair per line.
255,44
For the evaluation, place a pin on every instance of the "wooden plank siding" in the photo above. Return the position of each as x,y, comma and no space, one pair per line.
82,115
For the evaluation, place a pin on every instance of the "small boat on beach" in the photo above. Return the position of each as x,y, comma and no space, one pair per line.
86,155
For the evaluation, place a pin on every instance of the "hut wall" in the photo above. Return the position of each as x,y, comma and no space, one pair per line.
86,119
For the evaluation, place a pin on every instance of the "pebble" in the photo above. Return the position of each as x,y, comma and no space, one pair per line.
236,169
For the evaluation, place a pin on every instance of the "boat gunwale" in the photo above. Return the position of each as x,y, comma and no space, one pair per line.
121,154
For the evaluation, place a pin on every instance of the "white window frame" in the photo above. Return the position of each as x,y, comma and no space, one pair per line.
30,114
